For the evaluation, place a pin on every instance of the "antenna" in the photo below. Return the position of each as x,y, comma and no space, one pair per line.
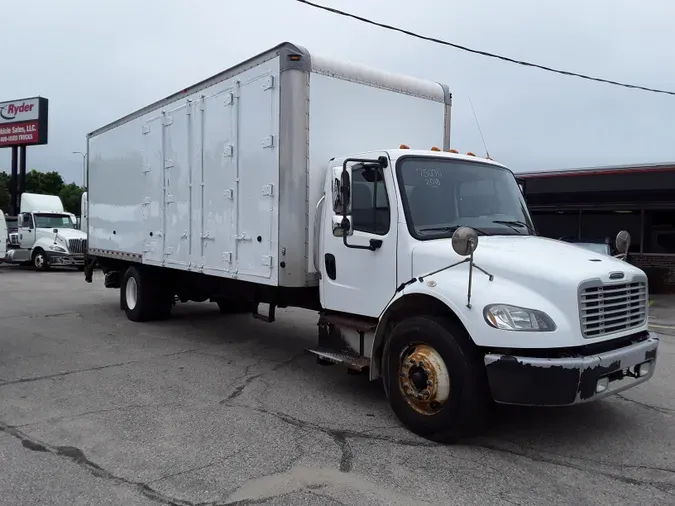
479,129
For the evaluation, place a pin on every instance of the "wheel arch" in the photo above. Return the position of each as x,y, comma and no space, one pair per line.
414,304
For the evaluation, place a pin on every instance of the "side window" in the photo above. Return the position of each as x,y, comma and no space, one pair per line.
27,221
370,204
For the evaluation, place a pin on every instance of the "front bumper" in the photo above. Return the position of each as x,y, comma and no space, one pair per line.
570,380
57,258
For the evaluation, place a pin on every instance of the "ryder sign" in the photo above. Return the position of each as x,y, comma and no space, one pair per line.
23,122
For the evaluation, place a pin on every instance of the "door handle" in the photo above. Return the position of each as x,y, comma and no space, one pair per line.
375,244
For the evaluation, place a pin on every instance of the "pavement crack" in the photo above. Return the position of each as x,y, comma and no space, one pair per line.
78,457
250,379
346,449
89,369
659,409
668,488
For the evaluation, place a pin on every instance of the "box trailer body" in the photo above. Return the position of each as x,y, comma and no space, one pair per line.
224,178
275,182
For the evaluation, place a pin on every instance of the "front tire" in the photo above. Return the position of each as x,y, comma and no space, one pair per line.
40,261
436,381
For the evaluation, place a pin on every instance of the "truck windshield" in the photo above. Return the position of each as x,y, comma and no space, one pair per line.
53,221
439,195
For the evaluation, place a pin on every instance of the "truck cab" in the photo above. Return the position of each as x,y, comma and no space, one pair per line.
47,235
437,254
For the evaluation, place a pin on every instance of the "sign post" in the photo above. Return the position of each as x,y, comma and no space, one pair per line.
23,123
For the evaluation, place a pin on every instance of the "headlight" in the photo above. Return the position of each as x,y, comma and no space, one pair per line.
505,317
57,248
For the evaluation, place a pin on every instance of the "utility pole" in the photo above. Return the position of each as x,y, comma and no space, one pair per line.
84,166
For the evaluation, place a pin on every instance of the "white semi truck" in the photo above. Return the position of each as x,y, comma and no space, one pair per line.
274,183
46,235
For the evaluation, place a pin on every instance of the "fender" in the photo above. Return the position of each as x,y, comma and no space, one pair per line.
415,299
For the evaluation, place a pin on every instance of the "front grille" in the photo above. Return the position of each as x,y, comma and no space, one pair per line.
607,309
77,246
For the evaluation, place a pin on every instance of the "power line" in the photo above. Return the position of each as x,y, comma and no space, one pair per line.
483,53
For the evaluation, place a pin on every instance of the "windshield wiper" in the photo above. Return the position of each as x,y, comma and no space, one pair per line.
515,223
451,229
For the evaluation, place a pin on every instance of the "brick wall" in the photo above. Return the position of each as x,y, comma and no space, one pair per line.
659,268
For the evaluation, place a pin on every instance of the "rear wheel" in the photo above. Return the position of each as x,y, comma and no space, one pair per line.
435,380
143,296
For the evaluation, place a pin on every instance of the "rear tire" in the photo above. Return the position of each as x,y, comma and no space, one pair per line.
435,358
143,296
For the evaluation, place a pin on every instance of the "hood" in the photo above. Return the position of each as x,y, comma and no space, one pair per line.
526,260
71,233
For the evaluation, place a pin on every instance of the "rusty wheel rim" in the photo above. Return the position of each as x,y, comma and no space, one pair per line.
424,379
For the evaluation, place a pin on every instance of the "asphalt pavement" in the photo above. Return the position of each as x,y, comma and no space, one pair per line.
209,409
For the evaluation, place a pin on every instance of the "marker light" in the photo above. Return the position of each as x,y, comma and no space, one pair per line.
454,151
434,148
469,153
403,146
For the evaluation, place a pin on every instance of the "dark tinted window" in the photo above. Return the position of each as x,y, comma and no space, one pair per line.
370,204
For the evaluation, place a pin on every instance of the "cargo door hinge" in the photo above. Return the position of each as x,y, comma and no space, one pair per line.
208,236
227,256
170,199
242,237
267,260
229,193
268,84
146,201
229,99
268,190
268,141
168,250
168,120
229,150
146,168
145,129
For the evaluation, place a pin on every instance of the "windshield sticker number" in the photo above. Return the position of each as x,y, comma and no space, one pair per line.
432,177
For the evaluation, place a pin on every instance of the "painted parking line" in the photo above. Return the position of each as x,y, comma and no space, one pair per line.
667,327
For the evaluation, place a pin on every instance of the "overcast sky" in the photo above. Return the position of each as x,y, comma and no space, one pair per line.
97,61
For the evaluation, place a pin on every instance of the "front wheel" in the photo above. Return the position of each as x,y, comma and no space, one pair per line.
40,261
435,380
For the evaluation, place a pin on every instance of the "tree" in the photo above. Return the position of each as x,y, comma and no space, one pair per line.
4,192
46,183
70,196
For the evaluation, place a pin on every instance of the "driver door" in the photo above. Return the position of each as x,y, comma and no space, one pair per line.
26,231
360,281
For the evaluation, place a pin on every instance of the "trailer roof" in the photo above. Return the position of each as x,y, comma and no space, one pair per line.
301,59
602,170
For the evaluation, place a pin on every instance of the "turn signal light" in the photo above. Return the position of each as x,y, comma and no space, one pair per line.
403,146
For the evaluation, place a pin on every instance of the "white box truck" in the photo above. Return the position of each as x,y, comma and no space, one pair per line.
275,182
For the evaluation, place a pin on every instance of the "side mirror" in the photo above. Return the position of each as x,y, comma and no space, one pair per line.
622,243
341,221
464,241
342,190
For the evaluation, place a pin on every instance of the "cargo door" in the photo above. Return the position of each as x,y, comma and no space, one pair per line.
176,191
217,177
153,180
256,233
